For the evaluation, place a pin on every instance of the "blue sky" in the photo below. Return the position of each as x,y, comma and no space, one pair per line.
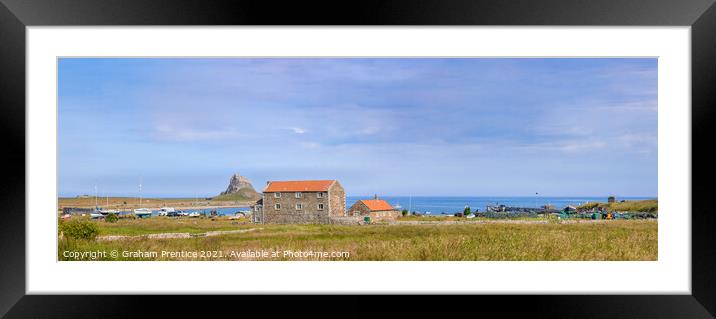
463,127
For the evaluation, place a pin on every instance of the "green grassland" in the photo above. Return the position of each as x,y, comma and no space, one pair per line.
606,240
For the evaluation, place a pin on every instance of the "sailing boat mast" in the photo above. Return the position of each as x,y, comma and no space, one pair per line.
140,192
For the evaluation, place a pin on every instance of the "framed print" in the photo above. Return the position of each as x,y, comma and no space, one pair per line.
489,148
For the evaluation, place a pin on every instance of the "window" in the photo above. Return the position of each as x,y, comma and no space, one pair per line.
320,206
277,206
277,195
299,206
319,195
298,194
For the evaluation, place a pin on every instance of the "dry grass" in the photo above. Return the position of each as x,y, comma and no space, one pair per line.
612,240
157,224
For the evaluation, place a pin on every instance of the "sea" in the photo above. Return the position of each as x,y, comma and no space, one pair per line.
437,205
447,205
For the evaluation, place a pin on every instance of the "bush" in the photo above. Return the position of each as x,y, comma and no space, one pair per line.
466,211
552,219
111,218
79,229
405,212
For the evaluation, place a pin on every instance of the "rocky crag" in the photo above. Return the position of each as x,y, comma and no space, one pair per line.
240,189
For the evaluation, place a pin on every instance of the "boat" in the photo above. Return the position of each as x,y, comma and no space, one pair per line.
397,206
106,212
194,214
98,212
242,213
101,210
143,212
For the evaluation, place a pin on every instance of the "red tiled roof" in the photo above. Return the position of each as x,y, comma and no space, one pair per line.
298,186
377,204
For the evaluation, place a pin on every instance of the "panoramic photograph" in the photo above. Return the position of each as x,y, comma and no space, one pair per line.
357,159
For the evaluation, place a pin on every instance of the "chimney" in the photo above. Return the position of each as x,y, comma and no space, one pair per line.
375,196
268,182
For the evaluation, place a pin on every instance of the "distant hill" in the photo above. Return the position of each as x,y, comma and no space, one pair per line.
239,189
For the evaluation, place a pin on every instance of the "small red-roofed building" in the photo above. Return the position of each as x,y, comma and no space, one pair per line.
377,209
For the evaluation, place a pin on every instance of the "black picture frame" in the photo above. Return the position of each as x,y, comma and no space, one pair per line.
16,15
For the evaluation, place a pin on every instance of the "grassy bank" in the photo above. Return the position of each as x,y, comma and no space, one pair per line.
612,240
244,195
648,206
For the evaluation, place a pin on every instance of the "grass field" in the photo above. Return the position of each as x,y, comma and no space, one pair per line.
158,225
605,240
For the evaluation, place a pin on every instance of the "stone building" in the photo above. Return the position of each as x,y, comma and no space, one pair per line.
301,202
377,209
